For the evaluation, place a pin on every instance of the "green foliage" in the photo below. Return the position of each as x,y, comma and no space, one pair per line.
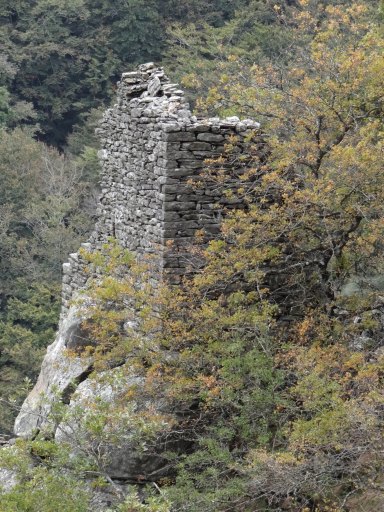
199,52
223,371
4,106
42,217
274,387
266,382
41,201
27,325
133,503
45,487
66,57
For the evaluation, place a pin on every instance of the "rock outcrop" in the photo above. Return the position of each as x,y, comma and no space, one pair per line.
152,146
59,377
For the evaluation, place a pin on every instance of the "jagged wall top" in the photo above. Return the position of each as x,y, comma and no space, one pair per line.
152,88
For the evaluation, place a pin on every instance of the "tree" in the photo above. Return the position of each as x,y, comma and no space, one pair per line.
43,218
270,370
68,56
199,49
42,191
314,222
277,368
322,181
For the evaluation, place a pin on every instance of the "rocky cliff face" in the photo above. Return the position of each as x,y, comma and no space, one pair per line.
151,147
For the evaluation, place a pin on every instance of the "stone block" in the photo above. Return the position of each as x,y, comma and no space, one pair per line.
196,146
176,188
184,171
179,155
177,206
203,155
198,128
170,216
180,137
67,268
170,127
210,137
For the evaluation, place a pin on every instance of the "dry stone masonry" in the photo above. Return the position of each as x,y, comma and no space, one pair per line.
152,147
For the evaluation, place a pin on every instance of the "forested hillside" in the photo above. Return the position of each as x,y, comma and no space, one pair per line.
279,335
59,65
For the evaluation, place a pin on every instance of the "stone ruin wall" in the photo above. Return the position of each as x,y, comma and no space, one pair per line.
152,146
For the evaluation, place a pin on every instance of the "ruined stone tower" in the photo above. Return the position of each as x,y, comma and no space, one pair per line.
152,146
